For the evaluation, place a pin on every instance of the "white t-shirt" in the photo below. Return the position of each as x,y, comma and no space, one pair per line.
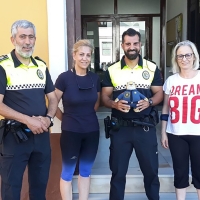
184,105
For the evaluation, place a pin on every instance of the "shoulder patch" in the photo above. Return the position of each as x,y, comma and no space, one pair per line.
3,57
38,58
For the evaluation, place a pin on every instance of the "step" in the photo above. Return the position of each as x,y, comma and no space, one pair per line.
139,196
134,184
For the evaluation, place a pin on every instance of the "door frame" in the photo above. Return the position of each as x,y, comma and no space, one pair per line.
73,12
116,19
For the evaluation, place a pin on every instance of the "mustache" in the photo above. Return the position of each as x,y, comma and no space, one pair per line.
27,46
131,50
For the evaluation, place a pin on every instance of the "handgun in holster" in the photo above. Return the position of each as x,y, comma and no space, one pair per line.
2,129
151,120
154,116
115,125
16,128
107,125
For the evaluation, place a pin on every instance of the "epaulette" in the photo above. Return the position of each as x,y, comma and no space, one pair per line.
150,64
3,57
113,63
38,58
149,60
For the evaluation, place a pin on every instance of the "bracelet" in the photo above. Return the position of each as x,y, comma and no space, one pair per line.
164,117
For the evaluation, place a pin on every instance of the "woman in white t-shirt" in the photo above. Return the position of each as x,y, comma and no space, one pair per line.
181,117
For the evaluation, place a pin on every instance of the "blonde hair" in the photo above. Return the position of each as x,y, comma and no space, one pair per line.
82,43
175,67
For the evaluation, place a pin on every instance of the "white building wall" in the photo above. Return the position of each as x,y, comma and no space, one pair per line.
174,8
57,38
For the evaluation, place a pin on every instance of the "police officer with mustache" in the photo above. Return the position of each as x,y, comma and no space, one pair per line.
25,83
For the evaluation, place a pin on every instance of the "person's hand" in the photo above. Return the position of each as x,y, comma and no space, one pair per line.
164,140
36,126
142,104
123,106
45,120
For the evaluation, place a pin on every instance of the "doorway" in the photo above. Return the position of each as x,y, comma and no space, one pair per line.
105,34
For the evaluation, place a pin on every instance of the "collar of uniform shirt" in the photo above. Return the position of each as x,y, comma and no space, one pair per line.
123,64
17,63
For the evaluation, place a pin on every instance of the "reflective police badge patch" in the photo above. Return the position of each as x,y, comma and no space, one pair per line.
40,74
127,94
145,75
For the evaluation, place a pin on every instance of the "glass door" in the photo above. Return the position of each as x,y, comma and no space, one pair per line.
142,25
138,26
100,34
106,33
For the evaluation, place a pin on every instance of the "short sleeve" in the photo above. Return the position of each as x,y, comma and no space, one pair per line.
98,85
3,80
60,82
158,79
166,86
106,80
49,84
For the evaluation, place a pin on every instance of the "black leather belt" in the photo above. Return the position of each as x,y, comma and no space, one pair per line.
117,122
132,122
128,123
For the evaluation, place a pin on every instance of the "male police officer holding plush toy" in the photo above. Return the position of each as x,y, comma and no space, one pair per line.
24,84
148,81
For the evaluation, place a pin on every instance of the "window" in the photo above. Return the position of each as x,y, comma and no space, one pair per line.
106,48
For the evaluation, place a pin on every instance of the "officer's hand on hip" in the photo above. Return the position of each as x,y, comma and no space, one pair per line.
123,106
36,126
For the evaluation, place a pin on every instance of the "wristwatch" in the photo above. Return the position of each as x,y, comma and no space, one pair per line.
150,102
51,120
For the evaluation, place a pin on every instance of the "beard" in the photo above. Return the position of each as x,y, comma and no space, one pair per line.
132,56
25,55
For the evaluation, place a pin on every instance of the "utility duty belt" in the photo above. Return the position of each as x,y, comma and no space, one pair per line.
20,131
114,123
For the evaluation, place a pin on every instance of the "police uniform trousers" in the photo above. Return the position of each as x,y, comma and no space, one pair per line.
34,153
145,144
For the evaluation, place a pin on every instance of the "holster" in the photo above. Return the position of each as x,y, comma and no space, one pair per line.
107,126
18,131
154,116
2,129
151,120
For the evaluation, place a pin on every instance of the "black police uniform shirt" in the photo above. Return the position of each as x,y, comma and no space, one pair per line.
24,87
79,98
145,75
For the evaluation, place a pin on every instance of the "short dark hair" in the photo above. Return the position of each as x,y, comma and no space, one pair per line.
131,32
